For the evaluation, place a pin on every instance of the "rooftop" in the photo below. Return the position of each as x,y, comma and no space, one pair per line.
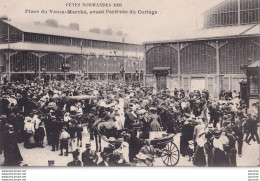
58,31
212,33
67,49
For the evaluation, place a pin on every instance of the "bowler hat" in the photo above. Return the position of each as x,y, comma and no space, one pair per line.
75,153
152,108
111,139
88,144
217,133
187,115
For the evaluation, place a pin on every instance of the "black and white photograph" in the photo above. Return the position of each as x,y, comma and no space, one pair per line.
123,83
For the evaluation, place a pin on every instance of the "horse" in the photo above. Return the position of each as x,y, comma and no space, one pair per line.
103,128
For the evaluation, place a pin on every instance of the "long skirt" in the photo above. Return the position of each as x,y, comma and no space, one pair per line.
219,158
29,141
183,145
232,157
72,144
199,157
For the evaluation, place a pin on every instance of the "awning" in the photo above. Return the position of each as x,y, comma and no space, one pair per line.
243,81
255,64
161,71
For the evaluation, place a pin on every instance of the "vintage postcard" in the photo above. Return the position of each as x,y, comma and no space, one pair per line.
92,83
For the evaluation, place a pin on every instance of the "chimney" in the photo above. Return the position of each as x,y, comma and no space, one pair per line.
74,26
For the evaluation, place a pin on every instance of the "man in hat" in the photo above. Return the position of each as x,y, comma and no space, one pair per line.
129,117
214,114
238,130
89,157
232,151
253,129
55,126
76,162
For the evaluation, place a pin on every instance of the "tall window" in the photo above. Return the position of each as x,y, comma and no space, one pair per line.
36,38
225,14
250,11
162,56
60,40
211,85
198,58
24,62
186,83
226,83
237,53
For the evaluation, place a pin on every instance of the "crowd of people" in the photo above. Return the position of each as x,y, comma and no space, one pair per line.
212,131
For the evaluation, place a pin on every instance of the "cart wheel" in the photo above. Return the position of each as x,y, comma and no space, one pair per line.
170,155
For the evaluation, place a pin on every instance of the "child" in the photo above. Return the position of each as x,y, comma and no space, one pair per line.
64,137
41,134
190,149
79,134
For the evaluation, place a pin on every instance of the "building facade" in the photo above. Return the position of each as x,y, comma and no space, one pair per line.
33,50
208,58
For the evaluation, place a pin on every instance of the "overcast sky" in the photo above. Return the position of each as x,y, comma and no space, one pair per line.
173,18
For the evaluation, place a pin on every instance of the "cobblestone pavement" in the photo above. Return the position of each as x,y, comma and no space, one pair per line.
40,156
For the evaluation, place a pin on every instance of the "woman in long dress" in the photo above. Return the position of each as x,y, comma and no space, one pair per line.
29,132
219,156
199,155
12,153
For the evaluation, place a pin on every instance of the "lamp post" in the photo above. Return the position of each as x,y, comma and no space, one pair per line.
44,79
136,75
8,55
107,67
35,74
87,67
141,75
16,69
124,59
65,68
81,55
221,86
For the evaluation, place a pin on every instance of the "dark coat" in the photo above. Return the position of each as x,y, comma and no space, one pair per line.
199,157
129,120
41,133
11,151
186,136
218,158
238,129
89,158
